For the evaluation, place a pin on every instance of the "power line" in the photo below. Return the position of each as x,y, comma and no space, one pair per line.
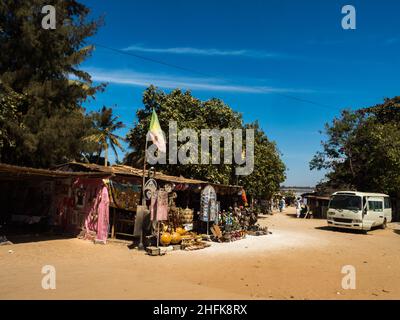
123,52
153,60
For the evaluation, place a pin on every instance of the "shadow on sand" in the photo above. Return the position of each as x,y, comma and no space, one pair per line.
27,238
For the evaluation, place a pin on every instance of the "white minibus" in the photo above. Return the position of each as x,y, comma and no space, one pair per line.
359,210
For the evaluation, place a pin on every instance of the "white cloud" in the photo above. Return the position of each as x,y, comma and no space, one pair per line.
204,52
128,77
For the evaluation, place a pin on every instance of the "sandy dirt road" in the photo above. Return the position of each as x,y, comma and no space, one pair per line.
301,259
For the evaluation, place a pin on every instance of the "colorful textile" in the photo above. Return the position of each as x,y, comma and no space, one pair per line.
94,205
124,196
208,202
103,211
244,198
159,206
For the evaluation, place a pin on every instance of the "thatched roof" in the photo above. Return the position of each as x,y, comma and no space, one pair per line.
124,170
11,172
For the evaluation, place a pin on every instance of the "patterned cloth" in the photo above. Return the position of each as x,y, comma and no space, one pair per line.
159,206
123,196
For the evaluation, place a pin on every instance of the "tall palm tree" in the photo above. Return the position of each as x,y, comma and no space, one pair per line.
105,124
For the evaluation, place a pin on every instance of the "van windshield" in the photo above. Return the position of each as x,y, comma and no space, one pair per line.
345,202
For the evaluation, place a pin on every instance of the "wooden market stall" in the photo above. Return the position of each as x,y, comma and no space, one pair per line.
40,200
125,184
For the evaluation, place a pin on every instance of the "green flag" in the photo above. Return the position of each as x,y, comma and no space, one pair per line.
156,134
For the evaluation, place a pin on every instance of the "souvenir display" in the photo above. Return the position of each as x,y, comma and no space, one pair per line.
165,238
208,204
181,231
186,216
159,205
149,188
176,238
124,196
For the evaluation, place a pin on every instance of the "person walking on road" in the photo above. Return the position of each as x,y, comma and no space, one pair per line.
281,205
298,207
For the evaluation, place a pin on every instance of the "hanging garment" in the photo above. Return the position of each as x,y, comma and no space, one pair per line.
153,206
103,215
159,206
162,206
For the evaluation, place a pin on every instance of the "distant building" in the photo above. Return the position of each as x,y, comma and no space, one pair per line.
298,191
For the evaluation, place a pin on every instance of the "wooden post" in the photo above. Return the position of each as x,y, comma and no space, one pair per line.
144,174
158,234
113,224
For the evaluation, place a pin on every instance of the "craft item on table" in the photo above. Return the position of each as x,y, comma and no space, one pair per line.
233,235
176,238
188,226
165,238
193,242
186,216
181,231
216,231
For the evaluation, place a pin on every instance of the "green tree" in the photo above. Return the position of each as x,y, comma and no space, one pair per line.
362,150
47,123
190,112
269,170
105,124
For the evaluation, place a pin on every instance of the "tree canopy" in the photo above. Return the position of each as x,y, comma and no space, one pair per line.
104,126
41,86
190,112
362,150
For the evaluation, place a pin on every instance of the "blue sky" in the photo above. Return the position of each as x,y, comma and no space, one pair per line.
252,55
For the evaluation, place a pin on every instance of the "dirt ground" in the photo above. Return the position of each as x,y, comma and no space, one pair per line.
301,259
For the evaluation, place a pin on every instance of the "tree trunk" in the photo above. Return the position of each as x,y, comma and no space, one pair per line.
106,155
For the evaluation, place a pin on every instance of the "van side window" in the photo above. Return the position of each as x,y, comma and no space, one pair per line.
387,204
375,206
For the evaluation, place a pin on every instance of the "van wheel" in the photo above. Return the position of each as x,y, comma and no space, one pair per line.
384,224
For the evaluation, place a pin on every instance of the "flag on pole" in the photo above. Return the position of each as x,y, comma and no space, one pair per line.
156,134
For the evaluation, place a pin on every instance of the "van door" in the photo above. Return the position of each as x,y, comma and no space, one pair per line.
387,209
375,215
